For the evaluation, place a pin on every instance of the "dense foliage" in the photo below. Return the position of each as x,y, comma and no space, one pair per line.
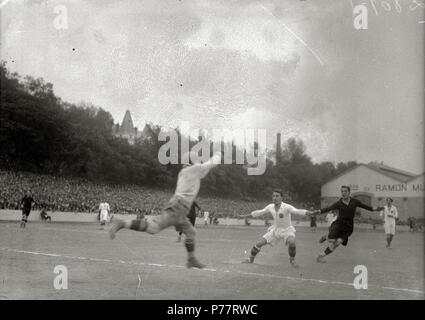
40,133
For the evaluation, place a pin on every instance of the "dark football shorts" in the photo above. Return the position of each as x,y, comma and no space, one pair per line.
175,214
192,220
26,212
340,230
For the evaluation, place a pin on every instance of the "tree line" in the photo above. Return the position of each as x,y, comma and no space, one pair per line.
40,133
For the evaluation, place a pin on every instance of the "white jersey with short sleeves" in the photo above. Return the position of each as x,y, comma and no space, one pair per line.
389,214
281,218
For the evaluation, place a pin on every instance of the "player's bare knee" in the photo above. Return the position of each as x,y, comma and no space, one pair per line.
190,234
261,243
338,242
152,228
291,242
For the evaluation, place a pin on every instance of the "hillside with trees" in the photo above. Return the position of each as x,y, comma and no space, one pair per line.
40,133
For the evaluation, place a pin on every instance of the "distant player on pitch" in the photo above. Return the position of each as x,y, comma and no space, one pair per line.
176,210
206,217
44,216
313,222
27,203
281,228
103,213
330,217
390,214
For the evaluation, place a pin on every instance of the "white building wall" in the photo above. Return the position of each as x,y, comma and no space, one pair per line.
408,197
363,179
416,186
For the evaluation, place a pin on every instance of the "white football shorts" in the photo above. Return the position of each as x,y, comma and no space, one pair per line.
389,226
103,215
275,234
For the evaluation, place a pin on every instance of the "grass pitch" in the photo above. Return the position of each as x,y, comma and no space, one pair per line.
140,266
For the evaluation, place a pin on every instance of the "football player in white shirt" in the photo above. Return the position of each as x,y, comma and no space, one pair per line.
176,210
206,217
103,213
390,214
281,228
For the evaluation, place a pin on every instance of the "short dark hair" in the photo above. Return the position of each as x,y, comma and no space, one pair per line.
346,187
390,199
279,191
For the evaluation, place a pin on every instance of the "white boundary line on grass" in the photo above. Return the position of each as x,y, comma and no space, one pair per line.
99,231
255,274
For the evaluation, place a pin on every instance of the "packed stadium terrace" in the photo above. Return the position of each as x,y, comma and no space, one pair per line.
78,195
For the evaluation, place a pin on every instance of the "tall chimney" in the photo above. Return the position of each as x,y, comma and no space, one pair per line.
278,149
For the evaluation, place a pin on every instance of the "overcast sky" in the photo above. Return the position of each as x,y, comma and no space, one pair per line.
298,67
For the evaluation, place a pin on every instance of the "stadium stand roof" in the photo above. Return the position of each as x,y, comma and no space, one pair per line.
397,174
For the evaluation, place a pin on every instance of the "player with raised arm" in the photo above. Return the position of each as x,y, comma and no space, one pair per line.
176,210
281,228
343,226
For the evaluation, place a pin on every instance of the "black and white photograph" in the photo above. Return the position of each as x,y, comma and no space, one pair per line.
212,150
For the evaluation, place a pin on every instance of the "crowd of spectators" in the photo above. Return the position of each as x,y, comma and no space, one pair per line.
78,195
60,194
75,195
